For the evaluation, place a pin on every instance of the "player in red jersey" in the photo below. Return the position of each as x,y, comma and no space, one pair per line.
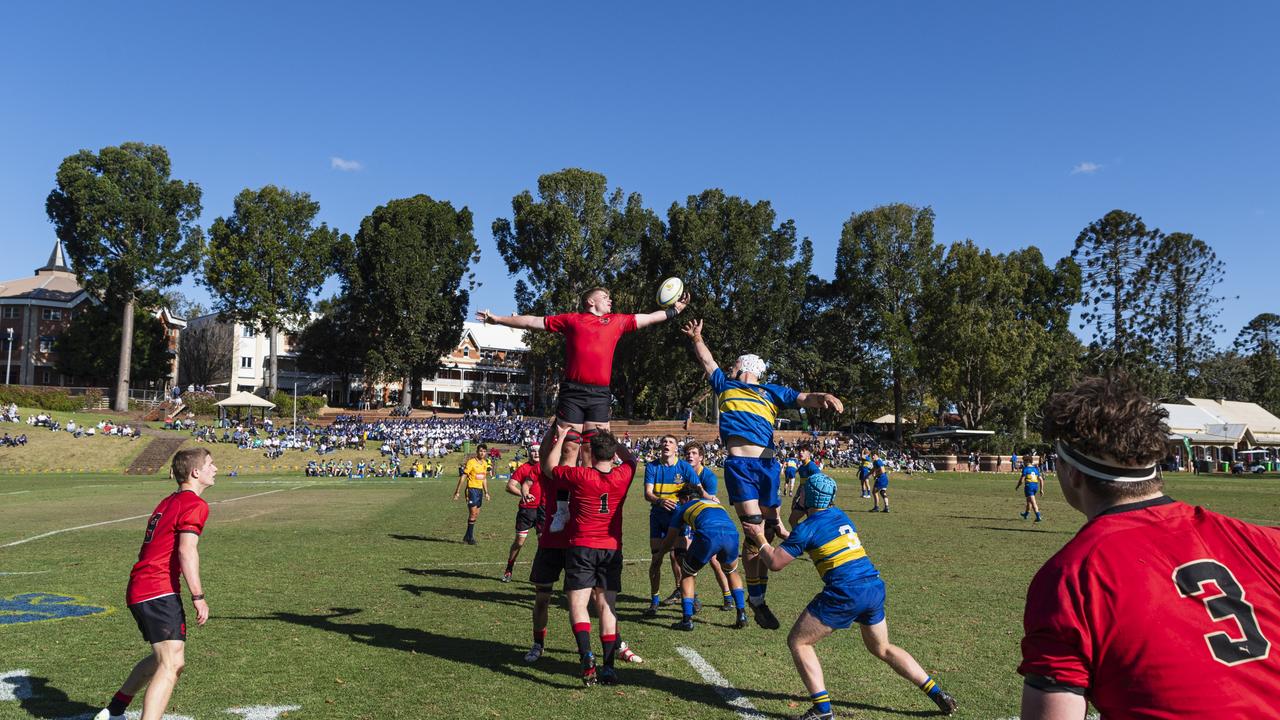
1155,609
549,561
590,339
153,596
529,513
593,563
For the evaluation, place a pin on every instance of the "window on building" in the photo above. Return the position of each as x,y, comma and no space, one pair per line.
246,331
466,352
11,312
46,375
46,344
51,313
246,362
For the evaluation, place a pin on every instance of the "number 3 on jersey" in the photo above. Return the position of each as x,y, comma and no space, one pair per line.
1229,602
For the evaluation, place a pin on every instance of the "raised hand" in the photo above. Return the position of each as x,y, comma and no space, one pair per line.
693,329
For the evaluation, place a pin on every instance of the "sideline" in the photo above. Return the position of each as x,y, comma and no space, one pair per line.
737,700
134,517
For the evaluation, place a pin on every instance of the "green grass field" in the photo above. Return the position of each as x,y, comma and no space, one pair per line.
355,600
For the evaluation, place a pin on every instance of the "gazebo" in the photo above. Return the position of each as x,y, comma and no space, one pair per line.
246,400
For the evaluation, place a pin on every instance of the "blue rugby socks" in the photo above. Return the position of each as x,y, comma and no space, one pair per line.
739,598
821,701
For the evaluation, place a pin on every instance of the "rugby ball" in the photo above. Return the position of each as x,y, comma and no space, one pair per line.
670,291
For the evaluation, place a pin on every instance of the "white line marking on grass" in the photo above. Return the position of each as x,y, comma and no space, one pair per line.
83,487
134,517
15,686
736,700
28,572
16,492
263,712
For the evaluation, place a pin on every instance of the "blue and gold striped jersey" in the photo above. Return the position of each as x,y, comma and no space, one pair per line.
749,411
880,466
667,479
866,461
809,468
833,545
1031,473
708,480
702,515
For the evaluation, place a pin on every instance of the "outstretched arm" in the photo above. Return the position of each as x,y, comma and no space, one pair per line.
646,319
554,441
693,329
522,322
820,401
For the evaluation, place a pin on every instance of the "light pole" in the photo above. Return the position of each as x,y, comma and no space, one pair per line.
8,363
295,405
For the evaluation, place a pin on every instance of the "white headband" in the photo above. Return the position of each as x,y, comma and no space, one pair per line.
751,364
1105,469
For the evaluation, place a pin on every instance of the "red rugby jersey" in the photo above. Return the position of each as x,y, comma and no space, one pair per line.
596,504
1160,610
553,493
530,471
157,570
589,342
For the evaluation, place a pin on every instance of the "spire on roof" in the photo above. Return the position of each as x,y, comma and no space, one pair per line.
57,260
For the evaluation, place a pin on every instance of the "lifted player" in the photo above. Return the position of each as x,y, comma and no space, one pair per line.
748,413
714,538
710,486
852,593
1156,608
663,478
154,596
476,475
591,336
1031,476
593,563
529,513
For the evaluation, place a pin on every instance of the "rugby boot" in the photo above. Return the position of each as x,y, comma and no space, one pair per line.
765,617
814,714
534,653
946,704
607,676
589,671
627,654
685,624
741,622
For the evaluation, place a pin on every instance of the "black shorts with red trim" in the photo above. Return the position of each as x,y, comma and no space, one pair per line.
548,563
161,619
528,518
580,403
593,568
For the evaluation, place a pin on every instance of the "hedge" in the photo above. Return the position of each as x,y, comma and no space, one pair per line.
49,398
308,405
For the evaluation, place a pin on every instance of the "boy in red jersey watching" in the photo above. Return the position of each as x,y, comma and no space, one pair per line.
593,563
590,337
153,595
529,513
1144,612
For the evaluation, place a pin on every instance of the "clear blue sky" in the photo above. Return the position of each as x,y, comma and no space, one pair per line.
1018,122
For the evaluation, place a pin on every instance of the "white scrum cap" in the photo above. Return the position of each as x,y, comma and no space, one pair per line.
751,364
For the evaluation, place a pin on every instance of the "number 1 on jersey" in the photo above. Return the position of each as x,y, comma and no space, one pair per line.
604,504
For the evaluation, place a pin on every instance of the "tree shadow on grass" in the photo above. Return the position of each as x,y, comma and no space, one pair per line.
41,700
423,538
1022,530
490,656
451,573
523,600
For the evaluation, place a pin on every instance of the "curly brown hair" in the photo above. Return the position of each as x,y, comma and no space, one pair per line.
1109,417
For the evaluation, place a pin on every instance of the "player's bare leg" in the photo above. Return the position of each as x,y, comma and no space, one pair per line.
805,633
137,680
170,658
605,601
726,590
513,553
541,602
750,512
876,638
580,621
572,444
588,429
